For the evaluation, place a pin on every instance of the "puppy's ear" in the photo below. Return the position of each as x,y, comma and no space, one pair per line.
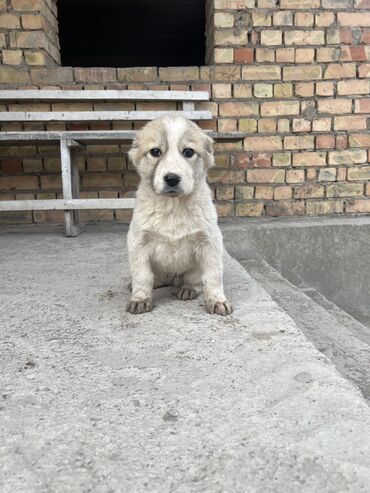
209,158
132,154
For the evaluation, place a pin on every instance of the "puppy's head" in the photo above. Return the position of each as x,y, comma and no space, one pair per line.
172,155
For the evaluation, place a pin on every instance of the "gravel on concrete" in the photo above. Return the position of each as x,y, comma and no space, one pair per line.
93,399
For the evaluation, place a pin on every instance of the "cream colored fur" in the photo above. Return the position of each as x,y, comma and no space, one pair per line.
175,236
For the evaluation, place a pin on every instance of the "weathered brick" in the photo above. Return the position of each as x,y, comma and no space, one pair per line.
242,90
229,37
137,74
282,18
243,55
364,70
285,55
285,208
248,125
275,108
301,125
226,73
264,192
324,19
35,57
316,207
298,73
222,55
261,160
295,176
325,88
51,75
353,122
359,140
292,142
32,22
31,39
266,125
327,174
266,176
344,189
340,71
362,105
262,90
265,55
261,72
303,19
307,159
26,5
12,57
178,73
282,193
311,37
223,19
244,192
95,74
327,54
249,210
304,89
271,37
225,192
348,87
238,109
353,53
350,156
102,180
325,141
309,191
357,206
233,4
332,36
361,19
300,4
221,90
283,90
283,125
359,173
321,125
22,182
9,21
225,176
11,75
334,106
282,159
261,19
271,143
304,55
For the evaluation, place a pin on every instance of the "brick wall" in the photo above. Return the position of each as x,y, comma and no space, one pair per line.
292,74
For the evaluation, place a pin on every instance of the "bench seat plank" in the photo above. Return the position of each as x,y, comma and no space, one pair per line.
62,204
95,116
91,136
101,95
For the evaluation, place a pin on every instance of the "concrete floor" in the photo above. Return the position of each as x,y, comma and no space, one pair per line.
96,400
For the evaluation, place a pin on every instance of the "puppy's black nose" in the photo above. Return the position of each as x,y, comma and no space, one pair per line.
172,180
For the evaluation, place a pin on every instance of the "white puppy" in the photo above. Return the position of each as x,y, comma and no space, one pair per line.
174,231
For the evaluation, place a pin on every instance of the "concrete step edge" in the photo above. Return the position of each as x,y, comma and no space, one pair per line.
350,355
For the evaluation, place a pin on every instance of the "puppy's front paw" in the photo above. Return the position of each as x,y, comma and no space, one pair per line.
139,306
219,307
186,293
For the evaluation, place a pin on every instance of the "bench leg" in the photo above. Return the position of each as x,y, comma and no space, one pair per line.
71,185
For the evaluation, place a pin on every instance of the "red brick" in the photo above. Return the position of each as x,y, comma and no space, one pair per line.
325,142
11,166
353,53
354,19
261,160
243,55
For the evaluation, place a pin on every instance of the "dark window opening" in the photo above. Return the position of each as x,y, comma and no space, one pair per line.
132,33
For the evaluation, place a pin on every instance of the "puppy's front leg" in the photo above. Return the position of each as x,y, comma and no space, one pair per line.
214,297
142,283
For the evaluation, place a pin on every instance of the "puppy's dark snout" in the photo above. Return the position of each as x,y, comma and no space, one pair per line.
172,180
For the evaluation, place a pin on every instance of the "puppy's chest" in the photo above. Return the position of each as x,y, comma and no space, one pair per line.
174,255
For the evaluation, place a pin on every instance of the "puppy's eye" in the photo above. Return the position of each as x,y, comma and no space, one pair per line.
188,152
155,152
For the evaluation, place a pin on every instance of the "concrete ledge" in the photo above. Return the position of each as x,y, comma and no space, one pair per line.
176,400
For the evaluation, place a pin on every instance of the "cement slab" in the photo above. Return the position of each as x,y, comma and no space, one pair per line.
96,400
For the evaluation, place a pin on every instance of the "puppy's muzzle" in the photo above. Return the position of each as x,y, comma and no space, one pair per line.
172,182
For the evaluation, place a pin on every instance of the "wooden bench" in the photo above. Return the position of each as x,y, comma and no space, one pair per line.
71,142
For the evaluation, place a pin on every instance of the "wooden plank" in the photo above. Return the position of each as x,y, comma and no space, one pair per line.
62,204
96,136
94,116
99,95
